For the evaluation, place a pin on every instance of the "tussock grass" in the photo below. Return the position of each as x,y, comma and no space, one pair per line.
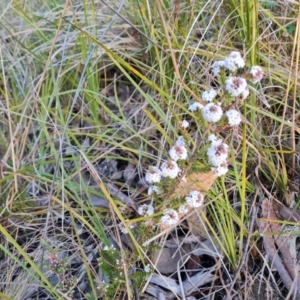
91,95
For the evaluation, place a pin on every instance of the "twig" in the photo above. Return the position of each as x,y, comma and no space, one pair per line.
269,243
279,240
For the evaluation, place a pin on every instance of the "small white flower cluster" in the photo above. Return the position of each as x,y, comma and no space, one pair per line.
220,170
184,124
195,106
234,117
153,175
212,112
195,199
212,138
183,209
235,86
217,155
257,74
109,248
153,189
123,229
180,141
234,61
209,96
170,217
178,152
146,210
147,268
216,67
169,168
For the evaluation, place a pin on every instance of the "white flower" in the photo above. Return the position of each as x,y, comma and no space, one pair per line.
209,96
180,141
183,209
184,124
257,74
234,61
220,170
195,199
170,217
217,142
212,138
212,112
153,175
147,268
235,85
245,94
153,189
178,152
217,154
146,244
123,229
195,106
216,67
234,117
169,169
146,210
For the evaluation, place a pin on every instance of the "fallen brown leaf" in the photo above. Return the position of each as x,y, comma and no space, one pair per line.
195,181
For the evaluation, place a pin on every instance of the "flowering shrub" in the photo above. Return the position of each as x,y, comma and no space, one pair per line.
233,89
61,268
112,264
